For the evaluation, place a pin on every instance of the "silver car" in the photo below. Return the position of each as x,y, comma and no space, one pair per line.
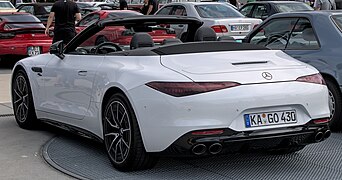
223,18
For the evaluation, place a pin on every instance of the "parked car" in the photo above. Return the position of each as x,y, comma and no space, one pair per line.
264,9
184,99
119,33
225,20
22,34
7,6
40,10
312,37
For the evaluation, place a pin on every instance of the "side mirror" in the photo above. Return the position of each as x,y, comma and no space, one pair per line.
57,49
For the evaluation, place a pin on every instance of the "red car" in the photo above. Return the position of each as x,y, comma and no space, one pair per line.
119,34
21,35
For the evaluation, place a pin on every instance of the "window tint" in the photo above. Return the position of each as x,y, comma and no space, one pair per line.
123,14
275,34
337,19
302,37
165,10
259,11
28,9
179,11
246,10
90,19
217,11
293,7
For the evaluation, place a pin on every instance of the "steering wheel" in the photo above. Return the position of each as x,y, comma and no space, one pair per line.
117,47
276,37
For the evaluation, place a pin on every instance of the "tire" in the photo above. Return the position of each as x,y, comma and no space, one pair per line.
335,105
123,140
22,101
100,40
286,150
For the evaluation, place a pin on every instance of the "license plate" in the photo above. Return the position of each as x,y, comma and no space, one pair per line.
270,118
33,50
239,28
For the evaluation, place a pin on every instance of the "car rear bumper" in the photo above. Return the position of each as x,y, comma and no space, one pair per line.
231,141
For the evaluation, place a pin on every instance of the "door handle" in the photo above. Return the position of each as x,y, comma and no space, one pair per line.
38,70
82,73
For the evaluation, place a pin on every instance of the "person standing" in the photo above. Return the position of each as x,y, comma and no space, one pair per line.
123,5
152,7
65,13
324,5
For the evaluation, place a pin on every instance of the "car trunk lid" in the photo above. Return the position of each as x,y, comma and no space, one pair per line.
237,66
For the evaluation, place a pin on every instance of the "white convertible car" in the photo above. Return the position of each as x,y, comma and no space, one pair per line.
156,97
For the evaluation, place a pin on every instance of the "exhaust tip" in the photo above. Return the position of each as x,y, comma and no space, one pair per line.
319,137
215,148
326,134
199,149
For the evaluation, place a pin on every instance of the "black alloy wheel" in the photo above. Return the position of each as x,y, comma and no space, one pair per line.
22,101
122,136
335,105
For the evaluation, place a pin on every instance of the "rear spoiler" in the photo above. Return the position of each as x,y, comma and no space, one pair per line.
3,24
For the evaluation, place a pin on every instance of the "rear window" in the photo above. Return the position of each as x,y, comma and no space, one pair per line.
293,7
337,21
217,11
24,21
123,14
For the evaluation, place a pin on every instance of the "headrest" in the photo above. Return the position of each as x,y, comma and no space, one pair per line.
308,35
205,34
171,41
226,38
141,40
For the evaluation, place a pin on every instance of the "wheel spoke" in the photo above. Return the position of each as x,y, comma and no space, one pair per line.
122,118
111,145
122,155
18,85
114,118
18,111
112,134
124,130
16,92
125,143
112,125
116,149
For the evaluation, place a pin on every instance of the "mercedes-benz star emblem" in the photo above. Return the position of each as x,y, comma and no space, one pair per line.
267,75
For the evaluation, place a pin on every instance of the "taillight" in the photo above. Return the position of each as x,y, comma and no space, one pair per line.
179,89
208,132
321,121
220,28
314,78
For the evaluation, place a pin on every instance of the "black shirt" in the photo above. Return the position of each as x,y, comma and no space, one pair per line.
65,11
123,4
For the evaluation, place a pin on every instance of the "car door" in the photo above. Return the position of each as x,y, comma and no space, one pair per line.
68,91
303,42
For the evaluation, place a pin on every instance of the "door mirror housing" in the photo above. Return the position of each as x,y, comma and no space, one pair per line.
57,49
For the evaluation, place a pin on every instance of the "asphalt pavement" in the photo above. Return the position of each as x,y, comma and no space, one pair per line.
21,150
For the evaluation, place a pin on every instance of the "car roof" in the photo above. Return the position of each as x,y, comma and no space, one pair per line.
275,2
38,4
195,3
307,13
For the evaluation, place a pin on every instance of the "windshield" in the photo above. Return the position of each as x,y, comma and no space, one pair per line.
293,7
217,11
24,21
6,5
124,14
338,21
